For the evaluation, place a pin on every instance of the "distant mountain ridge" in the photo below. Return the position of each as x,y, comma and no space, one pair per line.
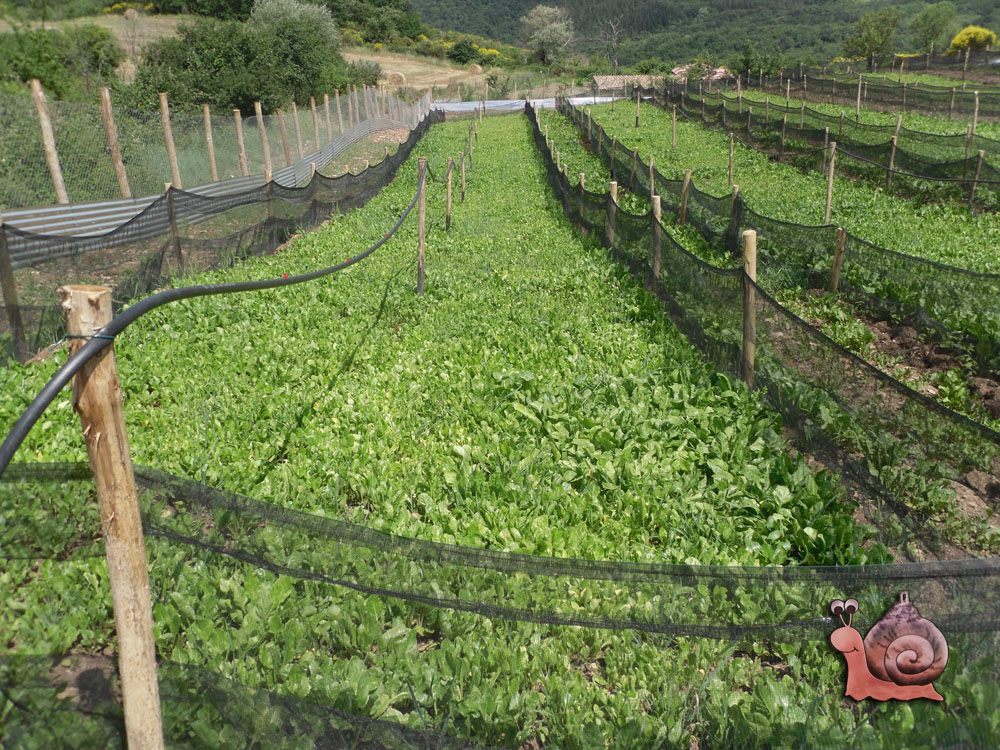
678,30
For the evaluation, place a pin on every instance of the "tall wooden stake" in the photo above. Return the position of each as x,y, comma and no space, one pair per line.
612,212
9,290
892,160
731,148
111,138
975,181
637,109
583,182
240,145
326,110
168,137
673,129
447,210
749,307
829,181
652,178
298,131
175,235
421,223
463,177
285,145
97,398
312,105
685,189
210,142
264,144
48,141
657,237
838,259
340,117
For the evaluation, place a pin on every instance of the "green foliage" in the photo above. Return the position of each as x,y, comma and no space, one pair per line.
874,34
549,31
377,20
974,37
749,60
931,24
66,62
230,10
288,50
463,52
650,66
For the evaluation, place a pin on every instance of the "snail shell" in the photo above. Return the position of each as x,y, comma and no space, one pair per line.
904,648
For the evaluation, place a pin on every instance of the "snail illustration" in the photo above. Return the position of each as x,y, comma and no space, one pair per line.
899,658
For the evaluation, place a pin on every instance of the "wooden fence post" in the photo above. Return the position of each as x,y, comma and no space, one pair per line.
857,106
447,210
97,398
802,115
975,181
340,116
240,145
829,181
111,137
965,65
734,221
168,137
48,141
657,239
269,190
840,129
312,105
9,290
614,155
784,124
826,146
326,110
732,141
899,124
685,189
788,93
673,129
767,110
838,259
975,119
298,131
612,212
583,182
421,223
652,178
264,144
463,177
635,164
892,160
175,235
210,142
285,145
748,357
637,109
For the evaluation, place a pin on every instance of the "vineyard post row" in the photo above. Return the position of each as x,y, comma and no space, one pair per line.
373,101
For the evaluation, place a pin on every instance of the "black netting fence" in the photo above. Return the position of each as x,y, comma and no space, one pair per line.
964,167
950,305
875,428
178,233
878,91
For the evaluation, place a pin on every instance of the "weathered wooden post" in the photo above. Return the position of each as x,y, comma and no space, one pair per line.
892,160
298,131
673,129
732,140
583,183
326,111
9,290
421,222
463,176
635,164
111,138
269,189
802,115
447,210
264,144
975,181
657,239
637,109
748,357
312,105
48,141
826,146
733,235
175,235
340,116
829,181
97,398
652,178
210,142
285,145
168,137
784,124
240,146
838,259
612,212
685,189
767,110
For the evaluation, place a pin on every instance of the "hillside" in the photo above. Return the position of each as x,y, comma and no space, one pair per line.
677,30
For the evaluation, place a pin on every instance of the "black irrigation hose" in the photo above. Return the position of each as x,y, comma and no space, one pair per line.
103,338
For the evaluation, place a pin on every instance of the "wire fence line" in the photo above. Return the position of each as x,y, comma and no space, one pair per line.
181,231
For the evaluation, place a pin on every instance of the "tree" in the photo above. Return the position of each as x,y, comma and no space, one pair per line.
974,37
874,34
609,33
549,31
932,22
463,52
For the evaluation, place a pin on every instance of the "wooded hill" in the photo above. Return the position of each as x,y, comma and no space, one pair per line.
678,30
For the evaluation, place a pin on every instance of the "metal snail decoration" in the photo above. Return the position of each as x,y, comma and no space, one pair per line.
900,657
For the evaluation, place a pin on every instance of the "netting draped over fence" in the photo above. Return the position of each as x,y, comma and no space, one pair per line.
955,306
180,231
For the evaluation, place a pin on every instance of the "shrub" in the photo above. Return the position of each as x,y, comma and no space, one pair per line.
974,37
463,52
